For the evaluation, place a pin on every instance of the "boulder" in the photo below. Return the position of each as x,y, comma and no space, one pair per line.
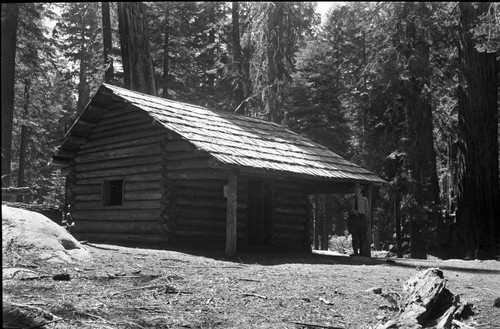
31,233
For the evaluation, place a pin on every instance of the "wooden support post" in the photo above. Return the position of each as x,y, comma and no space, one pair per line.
368,244
231,220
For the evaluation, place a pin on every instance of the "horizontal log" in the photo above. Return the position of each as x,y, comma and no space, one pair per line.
288,218
143,195
291,202
131,126
124,137
64,153
219,224
130,178
179,145
7,191
288,210
133,205
118,171
118,163
147,239
145,140
289,235
201,184
140,186
118,111
87,189
117,227
110,213
288,228
187,211
72,139
196,174
119,153
195,163
88,197
83,127
109,121
192,233
182,155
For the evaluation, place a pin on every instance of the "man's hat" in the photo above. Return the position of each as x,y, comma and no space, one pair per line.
357,185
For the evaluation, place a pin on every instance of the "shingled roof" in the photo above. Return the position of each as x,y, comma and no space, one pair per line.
238,140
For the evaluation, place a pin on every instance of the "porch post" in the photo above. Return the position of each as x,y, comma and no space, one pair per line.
231,222
368,244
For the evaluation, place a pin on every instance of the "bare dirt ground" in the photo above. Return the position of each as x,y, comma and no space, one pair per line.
146,288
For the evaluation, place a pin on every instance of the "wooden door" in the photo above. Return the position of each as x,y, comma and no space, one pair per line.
259,217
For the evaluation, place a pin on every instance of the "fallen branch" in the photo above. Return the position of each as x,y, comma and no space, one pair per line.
168,289
245,279
53,316
45,323
98,247
311,325
36,277
254,295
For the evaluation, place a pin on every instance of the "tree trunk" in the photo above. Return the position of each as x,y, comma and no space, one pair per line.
24,141
21,182
107,42
272,47
10,13
478,199
165,53
136,55
83,85
420,145
211,52
239,96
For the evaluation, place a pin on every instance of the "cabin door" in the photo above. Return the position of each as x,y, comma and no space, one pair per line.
259,212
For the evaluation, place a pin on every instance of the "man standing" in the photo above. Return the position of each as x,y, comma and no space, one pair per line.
356,224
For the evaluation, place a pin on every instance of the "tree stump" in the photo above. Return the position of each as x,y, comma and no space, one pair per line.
426,303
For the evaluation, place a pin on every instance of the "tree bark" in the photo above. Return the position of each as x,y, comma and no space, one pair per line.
478,199
420,140
24,141
10,12
239,96
165,52
136,55
107,42
83,85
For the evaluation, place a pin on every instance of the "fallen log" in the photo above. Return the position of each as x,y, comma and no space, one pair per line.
7,191
426,303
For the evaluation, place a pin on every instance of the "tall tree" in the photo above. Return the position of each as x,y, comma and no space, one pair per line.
237,68
107,42
10,13
413,44
478,208
136,55
278,28
79,35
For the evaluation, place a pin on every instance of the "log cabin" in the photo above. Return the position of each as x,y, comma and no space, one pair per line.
146,170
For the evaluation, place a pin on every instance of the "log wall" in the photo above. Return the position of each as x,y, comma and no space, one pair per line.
194,207
125,146
290,223
193,202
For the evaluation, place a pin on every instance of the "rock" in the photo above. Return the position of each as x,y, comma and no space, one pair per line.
37,235
375,290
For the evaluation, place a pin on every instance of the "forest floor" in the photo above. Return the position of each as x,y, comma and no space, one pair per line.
146,288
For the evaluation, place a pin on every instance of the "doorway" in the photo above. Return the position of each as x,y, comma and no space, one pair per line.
259,212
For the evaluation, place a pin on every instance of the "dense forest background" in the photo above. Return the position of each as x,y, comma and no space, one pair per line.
408,90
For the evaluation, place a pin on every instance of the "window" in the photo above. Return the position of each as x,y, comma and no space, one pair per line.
112,192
